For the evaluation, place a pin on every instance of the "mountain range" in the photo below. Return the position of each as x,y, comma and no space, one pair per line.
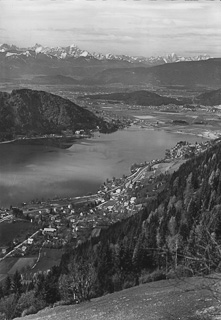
189,74
71,65
74,52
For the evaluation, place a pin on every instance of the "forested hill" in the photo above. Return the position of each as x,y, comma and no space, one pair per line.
179,231
26,111
142,97
210,98
188,73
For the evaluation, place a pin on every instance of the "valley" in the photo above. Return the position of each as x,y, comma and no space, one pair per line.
98,179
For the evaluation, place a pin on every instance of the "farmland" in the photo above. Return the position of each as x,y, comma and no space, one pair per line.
18,230
10,265
48,259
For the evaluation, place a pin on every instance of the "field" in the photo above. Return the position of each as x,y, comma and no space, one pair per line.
48,259
10,265
10,231
189,299
22,263
5,266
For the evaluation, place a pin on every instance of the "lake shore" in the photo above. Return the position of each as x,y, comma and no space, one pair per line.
34,171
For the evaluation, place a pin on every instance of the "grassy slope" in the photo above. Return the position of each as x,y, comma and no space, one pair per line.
10,231
167,300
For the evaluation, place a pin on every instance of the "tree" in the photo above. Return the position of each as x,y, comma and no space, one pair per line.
16,285
51,289
66,288
7,286
104,269
8,306
26,300
84,276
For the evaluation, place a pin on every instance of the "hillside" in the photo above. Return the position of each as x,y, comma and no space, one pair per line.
28,111
142,97
210,98
51,80
166,300
192,73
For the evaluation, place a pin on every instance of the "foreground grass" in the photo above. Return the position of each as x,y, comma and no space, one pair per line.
192,299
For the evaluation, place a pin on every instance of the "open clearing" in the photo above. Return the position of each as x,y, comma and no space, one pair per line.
10,231
163,300
48,259
22,263
5,266
10,265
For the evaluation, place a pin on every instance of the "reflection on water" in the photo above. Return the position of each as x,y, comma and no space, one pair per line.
30,172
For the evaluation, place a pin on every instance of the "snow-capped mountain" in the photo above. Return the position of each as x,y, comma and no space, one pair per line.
73,51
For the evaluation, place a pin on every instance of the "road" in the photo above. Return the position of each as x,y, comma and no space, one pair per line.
20,244
6,218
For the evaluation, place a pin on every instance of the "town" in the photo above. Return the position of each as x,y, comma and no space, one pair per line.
62,222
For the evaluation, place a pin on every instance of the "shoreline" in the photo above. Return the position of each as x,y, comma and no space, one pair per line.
94,138
207,134
53,141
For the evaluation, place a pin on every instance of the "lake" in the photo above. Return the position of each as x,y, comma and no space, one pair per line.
30,172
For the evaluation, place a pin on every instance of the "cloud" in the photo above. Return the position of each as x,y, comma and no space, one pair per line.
152,25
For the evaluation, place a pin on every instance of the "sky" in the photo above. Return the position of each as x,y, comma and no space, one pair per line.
133,27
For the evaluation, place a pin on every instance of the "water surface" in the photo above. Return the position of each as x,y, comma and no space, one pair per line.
29,172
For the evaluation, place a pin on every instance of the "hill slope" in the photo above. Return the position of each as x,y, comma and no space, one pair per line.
160,300
57,79
192,73
141,97
210,98
24,111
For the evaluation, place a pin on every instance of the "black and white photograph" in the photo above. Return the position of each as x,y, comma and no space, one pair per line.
110,159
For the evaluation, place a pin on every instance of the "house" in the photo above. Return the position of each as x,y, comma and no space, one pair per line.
49,231
132,200
30,240
23,248
4,250
79,132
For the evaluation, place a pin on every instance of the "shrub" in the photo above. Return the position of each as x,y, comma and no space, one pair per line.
154,276
180,272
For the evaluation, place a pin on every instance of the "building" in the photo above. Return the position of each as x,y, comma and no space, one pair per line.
49,231
30,240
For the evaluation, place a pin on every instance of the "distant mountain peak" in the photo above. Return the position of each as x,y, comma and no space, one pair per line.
73,45
73,51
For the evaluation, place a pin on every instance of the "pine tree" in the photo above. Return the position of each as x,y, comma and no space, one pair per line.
16,285
7,286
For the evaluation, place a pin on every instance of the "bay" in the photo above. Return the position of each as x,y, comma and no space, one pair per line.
38,172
